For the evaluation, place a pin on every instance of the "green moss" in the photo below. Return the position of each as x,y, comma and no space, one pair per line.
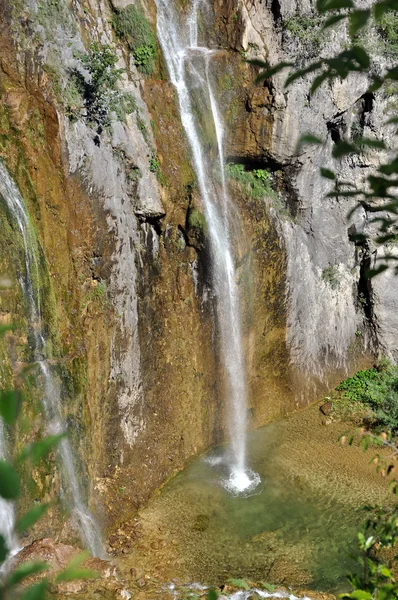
197,222
132,26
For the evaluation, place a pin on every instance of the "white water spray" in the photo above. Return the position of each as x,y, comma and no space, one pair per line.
51,398
189,68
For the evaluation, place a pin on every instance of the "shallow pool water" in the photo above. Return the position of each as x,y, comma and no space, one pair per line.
298,527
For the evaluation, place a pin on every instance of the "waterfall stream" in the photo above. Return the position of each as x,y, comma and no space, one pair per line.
7,516
51,399
189,66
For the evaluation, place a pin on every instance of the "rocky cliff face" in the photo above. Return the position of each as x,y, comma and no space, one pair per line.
334,313
111,194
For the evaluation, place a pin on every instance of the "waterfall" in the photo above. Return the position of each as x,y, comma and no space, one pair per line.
7,516
189,69
51,400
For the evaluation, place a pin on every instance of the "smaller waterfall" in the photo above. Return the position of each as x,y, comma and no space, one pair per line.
189,68
7,516
51,400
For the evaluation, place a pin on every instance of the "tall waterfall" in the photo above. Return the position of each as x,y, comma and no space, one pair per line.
189,66
51,400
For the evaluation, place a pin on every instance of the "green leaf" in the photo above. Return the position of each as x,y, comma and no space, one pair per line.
360,595
37,450
333,20
30,518
9,481
239,583
327,173
9,405
343,149
36,592
371,143
3,549
382,7
373,272
334,5
24,571
301,72
318,81
376,85
74,571
358,20
307,139
270,71
392,74
212,594
361,56
384,571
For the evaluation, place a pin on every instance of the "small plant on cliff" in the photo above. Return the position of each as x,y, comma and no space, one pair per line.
307,29
388,31
131,25
102,96
255,183
330,275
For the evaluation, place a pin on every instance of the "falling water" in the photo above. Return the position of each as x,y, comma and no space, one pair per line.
51,398
7,517
189,66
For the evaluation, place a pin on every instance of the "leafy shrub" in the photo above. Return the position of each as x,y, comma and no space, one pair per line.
256,183
132,26
377,389
101,95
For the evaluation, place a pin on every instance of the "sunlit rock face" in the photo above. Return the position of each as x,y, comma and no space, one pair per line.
118,216
335,316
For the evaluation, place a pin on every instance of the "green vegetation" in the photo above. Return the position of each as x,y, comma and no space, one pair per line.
330,275
97,294
255,183
101,95
51,13
143,128
387,28
131,25
308,30
197,222
378,390
154,167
